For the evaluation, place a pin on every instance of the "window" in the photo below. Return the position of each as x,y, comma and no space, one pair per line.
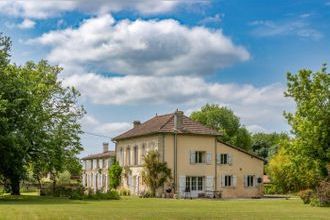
228,181
224,159
128,156
143,151
198,157
200,183
250,181
194,183
121,156
135,155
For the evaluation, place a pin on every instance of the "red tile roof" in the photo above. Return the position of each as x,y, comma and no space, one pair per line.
165,124
106,154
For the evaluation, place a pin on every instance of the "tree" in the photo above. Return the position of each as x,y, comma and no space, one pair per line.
308,152
155,173
266,145
225,121
39,119
115,172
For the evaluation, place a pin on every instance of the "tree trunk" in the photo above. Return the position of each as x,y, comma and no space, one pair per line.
54,186
15,188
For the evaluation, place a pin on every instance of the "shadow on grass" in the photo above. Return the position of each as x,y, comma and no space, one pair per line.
38,200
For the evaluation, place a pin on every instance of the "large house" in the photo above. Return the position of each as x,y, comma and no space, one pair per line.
95,169
200,163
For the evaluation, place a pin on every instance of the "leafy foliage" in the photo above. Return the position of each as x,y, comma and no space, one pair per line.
301,162
226,122
39,119
266,145
115,172
155,172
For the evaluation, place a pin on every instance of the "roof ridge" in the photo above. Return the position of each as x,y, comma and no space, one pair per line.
168,120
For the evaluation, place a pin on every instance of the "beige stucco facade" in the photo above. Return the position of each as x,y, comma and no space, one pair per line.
195,162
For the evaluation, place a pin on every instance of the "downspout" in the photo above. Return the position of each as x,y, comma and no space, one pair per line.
215,165
175,162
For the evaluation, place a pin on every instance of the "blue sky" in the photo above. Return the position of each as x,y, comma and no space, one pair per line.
133,59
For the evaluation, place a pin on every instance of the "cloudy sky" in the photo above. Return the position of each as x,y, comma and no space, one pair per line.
133,59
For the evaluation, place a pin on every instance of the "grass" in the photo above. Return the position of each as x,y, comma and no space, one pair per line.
34,207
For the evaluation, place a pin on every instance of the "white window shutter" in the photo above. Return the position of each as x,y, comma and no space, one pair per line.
218,158
209,183
182,184
234,179
230,159
209,158
255,181
222,180
245,181
192,157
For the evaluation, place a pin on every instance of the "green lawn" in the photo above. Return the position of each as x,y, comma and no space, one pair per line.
34,207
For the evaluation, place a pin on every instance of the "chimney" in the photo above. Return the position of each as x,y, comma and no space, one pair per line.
178,119
105,147
136,123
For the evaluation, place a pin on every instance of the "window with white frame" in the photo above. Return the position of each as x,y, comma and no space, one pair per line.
135,155
197,157
194,183
223,158
100,163
94,164
143,152
128,156
250,181
228,181
121,157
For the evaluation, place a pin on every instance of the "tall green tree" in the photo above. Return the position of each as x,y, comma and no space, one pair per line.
155,173
225,121
266,145
115,172
308,153
39,119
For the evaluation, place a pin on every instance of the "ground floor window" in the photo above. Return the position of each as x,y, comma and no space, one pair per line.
228,180
194,183
250,181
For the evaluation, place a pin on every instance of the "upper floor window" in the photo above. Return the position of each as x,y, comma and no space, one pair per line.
128,156
135,155
200,157
94,164
143,152
224,159
100,163
121,156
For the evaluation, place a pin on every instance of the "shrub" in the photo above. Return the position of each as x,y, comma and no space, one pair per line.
111,195
306,195
61,190
146,194
323,193
124,192
270,189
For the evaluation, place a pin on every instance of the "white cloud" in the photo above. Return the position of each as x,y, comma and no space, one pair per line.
93,125
26,24
142,47
47,9
257,106
216,19
297,27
